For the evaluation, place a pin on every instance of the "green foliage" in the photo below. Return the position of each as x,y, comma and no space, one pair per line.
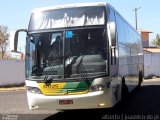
4,38
156,42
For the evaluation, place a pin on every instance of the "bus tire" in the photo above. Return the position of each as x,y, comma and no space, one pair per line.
124,91
140,79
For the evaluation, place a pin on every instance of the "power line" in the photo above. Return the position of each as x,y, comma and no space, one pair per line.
136,15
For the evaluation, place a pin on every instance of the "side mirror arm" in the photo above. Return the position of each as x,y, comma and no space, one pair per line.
14,39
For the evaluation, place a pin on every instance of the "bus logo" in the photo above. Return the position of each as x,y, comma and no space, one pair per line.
69,34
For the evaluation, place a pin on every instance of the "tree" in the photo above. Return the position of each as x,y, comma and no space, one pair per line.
4,38
156,42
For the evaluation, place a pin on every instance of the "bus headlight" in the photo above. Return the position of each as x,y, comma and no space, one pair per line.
34,90
97,87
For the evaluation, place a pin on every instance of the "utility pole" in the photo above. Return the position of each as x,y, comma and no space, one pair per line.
136,15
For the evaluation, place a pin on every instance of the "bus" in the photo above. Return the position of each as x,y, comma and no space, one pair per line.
80,56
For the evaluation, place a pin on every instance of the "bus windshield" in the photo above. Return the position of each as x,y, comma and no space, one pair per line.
85,54
67,17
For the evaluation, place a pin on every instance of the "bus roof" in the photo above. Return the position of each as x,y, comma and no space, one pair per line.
70,6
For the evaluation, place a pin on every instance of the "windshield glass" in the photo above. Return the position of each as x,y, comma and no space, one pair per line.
84,53
67,17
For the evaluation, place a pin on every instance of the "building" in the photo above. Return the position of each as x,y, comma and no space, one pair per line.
145,37
151,56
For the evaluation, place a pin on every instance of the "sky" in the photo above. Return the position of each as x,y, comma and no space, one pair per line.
15,14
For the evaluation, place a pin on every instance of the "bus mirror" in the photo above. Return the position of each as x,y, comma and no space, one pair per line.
112,32
14,39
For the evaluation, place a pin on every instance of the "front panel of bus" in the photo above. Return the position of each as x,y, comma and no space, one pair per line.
67,59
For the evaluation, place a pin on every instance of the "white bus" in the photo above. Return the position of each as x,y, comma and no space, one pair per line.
80,56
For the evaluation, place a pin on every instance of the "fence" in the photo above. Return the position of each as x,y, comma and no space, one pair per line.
12,72
151,64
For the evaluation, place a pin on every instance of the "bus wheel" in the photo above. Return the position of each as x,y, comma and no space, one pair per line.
140,79
124,91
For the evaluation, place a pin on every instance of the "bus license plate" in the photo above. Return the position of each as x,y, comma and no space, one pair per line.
64,102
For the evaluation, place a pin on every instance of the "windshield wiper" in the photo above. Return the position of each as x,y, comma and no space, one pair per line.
83,71
48,78
68,67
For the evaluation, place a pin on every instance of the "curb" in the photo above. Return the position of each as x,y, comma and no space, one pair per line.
3,89
151,80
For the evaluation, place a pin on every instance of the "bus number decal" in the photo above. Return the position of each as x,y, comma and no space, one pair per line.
50,86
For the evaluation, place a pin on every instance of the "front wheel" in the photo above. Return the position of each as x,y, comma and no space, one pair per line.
140,79
124,91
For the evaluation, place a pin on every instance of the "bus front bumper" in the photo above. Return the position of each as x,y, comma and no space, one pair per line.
98,99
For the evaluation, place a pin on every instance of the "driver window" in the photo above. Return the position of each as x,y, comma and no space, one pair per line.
55,46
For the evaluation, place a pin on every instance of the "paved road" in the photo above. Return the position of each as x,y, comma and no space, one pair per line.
15,103
144,102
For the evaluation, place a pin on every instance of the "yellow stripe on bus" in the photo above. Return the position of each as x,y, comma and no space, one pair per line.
51,88
59,89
